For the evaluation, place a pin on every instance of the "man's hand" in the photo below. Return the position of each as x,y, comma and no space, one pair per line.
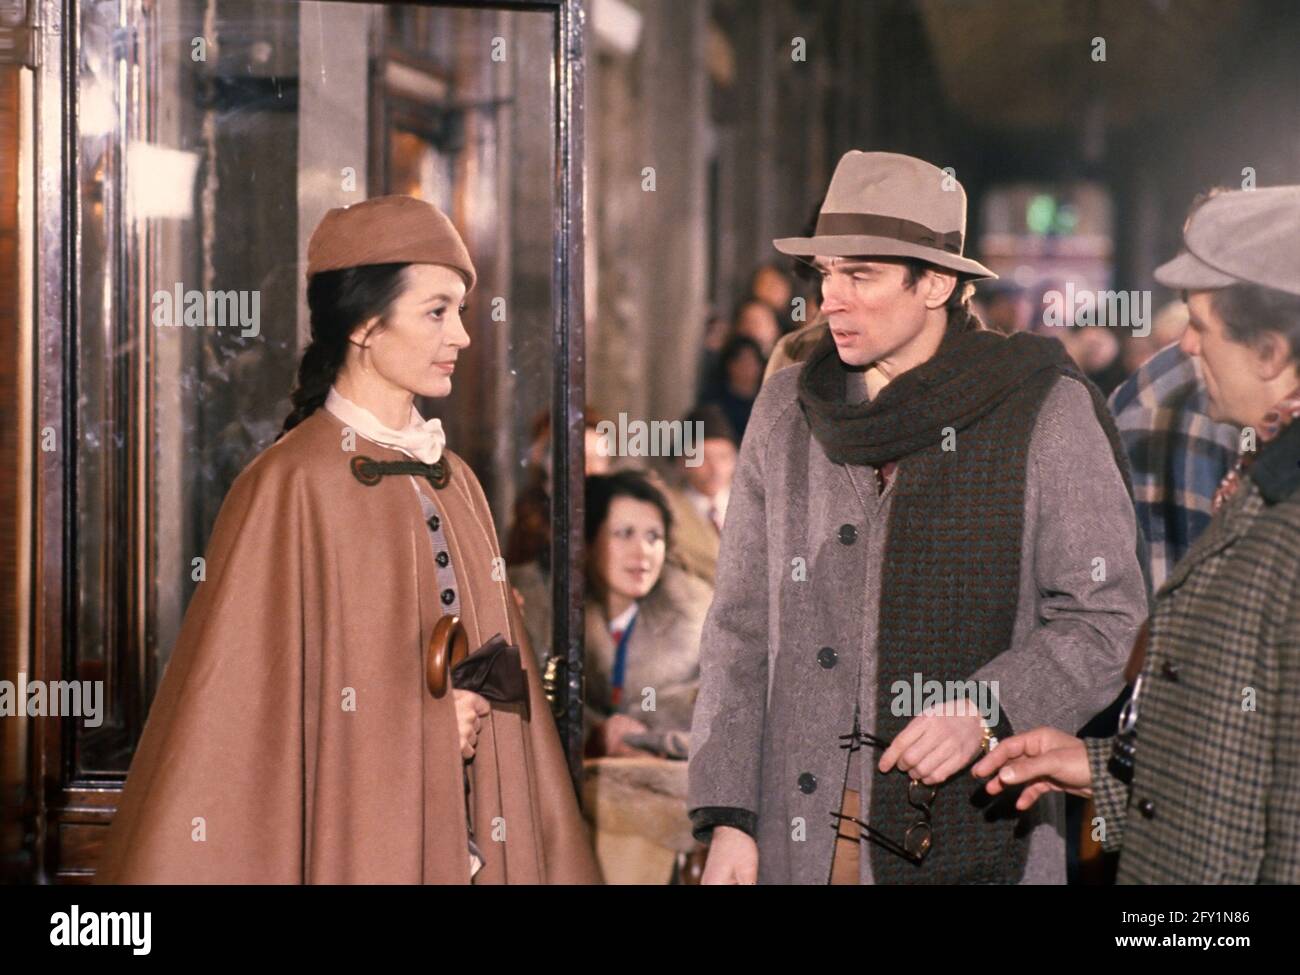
733,858
1044,760
938,743
471,709
613,730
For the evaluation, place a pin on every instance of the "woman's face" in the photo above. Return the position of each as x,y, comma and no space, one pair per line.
416,347
629,547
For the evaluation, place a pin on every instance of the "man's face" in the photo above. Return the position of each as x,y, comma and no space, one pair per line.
716,468
1229,368
421,334
872,314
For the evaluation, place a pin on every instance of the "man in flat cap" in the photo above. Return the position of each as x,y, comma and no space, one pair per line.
1201,783
930,542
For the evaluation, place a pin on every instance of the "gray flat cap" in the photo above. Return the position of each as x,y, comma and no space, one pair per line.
1243,236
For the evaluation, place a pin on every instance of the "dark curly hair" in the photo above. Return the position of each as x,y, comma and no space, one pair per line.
600,491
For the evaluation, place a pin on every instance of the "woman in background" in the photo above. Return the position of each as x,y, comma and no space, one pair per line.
643,622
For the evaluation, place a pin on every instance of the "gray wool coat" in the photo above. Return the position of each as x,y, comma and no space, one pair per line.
771,703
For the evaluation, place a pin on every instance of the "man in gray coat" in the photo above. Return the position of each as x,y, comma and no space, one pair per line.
930,543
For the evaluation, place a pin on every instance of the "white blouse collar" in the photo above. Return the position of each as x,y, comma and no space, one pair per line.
422,439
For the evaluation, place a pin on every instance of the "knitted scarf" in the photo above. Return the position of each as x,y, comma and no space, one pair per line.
951,572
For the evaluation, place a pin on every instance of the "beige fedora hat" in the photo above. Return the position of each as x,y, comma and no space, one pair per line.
883,204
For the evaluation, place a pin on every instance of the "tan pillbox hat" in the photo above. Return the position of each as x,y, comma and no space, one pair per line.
388,230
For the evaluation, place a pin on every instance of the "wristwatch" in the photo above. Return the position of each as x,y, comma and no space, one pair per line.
989,741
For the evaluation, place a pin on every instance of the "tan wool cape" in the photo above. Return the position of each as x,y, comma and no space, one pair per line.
293,738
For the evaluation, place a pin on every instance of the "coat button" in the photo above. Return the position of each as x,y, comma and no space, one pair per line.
807,783
848,534
443,559
448,596
827,656
1169,670
434,523
1147,808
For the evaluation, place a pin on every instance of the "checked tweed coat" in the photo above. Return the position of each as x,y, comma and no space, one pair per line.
1215,797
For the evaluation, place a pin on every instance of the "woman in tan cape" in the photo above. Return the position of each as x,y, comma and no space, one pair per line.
294,738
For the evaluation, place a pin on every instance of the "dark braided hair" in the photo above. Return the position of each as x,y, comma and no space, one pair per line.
339,301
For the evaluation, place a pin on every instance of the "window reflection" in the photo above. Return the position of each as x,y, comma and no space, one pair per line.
212,138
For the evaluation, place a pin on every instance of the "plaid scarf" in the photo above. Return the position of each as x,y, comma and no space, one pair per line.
1179,455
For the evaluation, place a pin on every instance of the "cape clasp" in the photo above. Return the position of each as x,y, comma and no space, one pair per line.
369,471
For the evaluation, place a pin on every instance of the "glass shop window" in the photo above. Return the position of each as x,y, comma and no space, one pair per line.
212,136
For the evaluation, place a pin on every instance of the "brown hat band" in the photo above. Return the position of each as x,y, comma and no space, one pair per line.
895,228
